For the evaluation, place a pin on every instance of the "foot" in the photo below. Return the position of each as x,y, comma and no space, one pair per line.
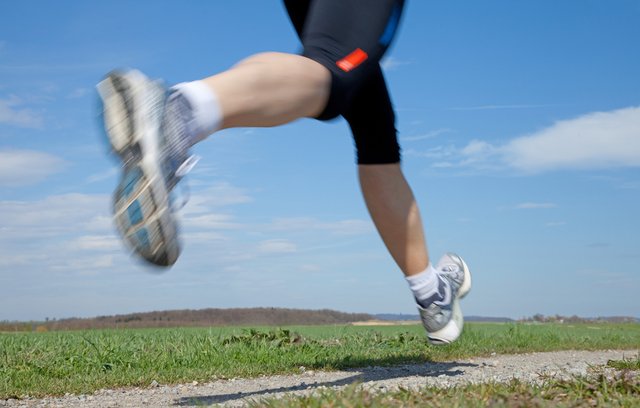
133,108
441,315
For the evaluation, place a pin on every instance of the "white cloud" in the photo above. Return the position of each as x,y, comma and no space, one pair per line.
442,165
276,246
87,265
54,215
477,148
202,237
428,135
343,227
103,175
534,206
392,63
210,221
201,216
61,232
630,185
218,195
78,93
99,222
12,113
439,153
96,242
496,107
592,141
310,268
8,259
23,167
595,140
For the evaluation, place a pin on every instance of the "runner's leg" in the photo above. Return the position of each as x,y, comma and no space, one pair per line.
343,43
367,108
270,89
386,192
395,213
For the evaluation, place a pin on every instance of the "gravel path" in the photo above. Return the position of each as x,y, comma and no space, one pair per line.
236,392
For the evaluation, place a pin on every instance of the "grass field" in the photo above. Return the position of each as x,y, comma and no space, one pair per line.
622,390
56,363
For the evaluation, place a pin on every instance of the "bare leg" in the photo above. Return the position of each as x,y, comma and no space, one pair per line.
271,89
395,213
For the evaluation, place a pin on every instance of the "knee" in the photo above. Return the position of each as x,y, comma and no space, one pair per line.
343,86
378,155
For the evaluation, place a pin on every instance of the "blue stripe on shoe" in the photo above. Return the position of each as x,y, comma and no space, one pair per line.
135,213
130,180
391,27
142,236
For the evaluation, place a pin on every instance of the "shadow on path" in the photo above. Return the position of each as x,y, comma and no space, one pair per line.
378,373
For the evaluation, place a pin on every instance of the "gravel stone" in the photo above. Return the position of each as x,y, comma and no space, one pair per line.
237,392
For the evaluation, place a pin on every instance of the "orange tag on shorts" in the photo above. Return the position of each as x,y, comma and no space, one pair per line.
352,60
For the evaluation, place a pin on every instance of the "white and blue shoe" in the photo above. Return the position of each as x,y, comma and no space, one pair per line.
133,113
441,316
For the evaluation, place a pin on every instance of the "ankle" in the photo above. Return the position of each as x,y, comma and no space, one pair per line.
425,284
204,108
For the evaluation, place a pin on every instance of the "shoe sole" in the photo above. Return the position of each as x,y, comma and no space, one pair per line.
452,330
141,200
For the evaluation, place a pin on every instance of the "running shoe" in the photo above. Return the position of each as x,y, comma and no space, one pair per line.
442,317
133,114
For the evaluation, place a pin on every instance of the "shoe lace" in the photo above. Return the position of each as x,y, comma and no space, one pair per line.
176,130
187,166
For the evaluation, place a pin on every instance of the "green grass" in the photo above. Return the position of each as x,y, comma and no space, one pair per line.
55,363
626,364
621,390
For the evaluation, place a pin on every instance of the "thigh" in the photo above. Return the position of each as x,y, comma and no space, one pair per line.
338,27
348,37
298,11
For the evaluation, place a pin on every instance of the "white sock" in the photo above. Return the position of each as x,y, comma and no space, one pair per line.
205,108
425,284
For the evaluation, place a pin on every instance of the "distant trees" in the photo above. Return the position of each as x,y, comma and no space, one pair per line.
243,317
197,318
540,318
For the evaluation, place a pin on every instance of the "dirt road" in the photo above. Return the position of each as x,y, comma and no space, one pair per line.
236,392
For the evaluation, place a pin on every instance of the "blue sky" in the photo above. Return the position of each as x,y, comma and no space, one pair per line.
520,127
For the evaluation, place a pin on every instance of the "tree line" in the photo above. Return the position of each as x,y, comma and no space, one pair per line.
540,318
195,318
